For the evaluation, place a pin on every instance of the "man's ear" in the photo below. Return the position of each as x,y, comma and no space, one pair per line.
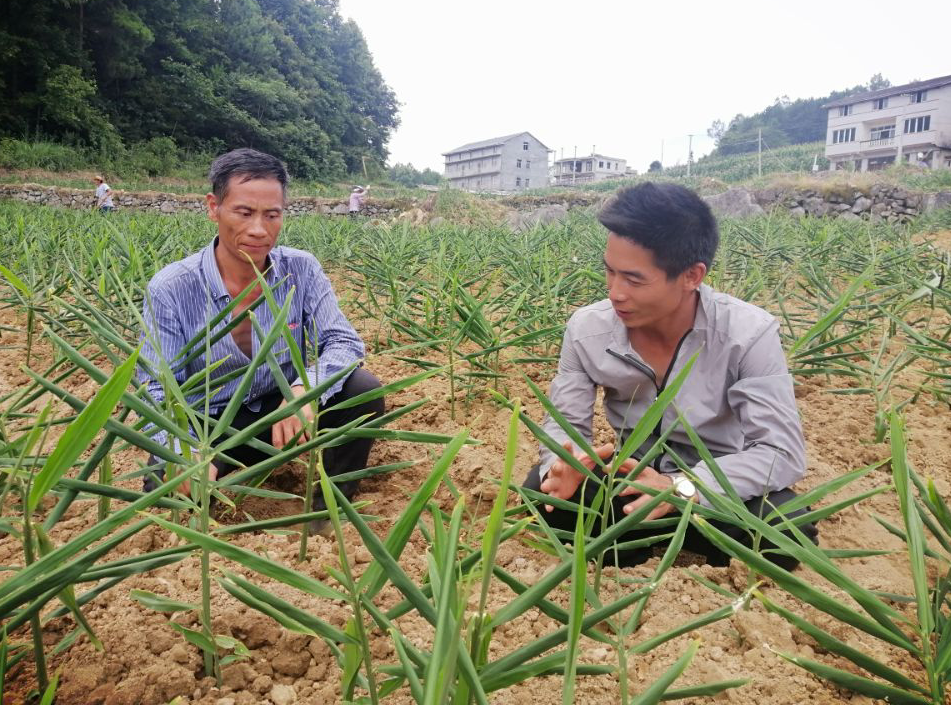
694,275
212,202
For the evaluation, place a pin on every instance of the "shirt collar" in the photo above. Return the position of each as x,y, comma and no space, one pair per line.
216,284
704,308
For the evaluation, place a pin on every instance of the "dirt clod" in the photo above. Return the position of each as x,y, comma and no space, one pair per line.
283,695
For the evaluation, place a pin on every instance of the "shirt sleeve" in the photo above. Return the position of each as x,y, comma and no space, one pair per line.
762,399
162,339
573,393
338,345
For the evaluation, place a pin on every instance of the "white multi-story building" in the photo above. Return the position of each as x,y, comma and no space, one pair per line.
511,163
910,123
583,170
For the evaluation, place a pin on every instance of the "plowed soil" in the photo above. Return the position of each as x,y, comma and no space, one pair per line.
145,662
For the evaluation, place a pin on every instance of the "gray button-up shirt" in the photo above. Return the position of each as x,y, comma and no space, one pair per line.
738,397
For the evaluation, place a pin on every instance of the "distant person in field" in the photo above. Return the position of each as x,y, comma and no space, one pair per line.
103,195
662,239
357,197
247,203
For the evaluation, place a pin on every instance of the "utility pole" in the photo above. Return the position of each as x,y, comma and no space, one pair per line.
689,153
759,152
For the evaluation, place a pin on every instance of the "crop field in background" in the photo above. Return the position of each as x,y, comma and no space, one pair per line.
441,581
794,158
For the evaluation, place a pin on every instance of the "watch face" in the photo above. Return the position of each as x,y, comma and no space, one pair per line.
684,488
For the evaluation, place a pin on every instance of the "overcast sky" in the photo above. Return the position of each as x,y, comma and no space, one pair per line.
627,75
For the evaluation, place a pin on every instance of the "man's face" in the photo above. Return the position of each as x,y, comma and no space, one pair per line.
249,218
639,290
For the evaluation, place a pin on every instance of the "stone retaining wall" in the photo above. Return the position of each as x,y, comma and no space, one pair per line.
177,203
879,201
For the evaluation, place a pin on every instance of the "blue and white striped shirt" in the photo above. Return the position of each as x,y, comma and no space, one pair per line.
185,295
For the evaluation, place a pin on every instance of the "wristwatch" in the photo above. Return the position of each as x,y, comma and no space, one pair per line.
683,487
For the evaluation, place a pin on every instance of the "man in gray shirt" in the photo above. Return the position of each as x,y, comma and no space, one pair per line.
738,397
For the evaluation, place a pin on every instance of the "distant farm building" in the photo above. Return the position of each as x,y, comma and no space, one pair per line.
511,163
584,170
910,123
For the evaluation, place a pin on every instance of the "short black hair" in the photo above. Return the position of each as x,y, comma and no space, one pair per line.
248,164
671,221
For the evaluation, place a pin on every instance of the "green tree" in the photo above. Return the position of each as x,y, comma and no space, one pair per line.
877,83
67,107
410,176
288,76
716,130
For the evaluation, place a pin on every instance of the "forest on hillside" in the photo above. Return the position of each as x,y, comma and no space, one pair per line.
290,77
783,123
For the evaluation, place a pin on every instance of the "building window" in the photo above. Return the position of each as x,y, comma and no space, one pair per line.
882,132
525,146
600,165
845,135
919,97
518,180
845,110
526,183
880,104
587,165
918,124
518,163
527,164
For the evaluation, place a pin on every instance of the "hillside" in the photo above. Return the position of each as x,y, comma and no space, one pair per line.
740,167
785,122
159,82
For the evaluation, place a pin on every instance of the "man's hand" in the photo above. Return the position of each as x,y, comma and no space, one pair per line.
562,480
284,430
186,486
650,478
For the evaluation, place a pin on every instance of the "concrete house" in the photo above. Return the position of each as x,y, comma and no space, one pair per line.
511,163
583,170
910,123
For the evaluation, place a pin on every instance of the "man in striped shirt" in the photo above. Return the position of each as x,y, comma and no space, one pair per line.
247,204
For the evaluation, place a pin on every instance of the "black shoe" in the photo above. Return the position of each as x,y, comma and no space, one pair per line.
323,527
348,489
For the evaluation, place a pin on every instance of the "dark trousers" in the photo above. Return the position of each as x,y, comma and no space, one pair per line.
337,460
694,541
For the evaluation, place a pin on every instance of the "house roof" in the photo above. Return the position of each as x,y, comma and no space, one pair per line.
596,155
893,90
492,142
